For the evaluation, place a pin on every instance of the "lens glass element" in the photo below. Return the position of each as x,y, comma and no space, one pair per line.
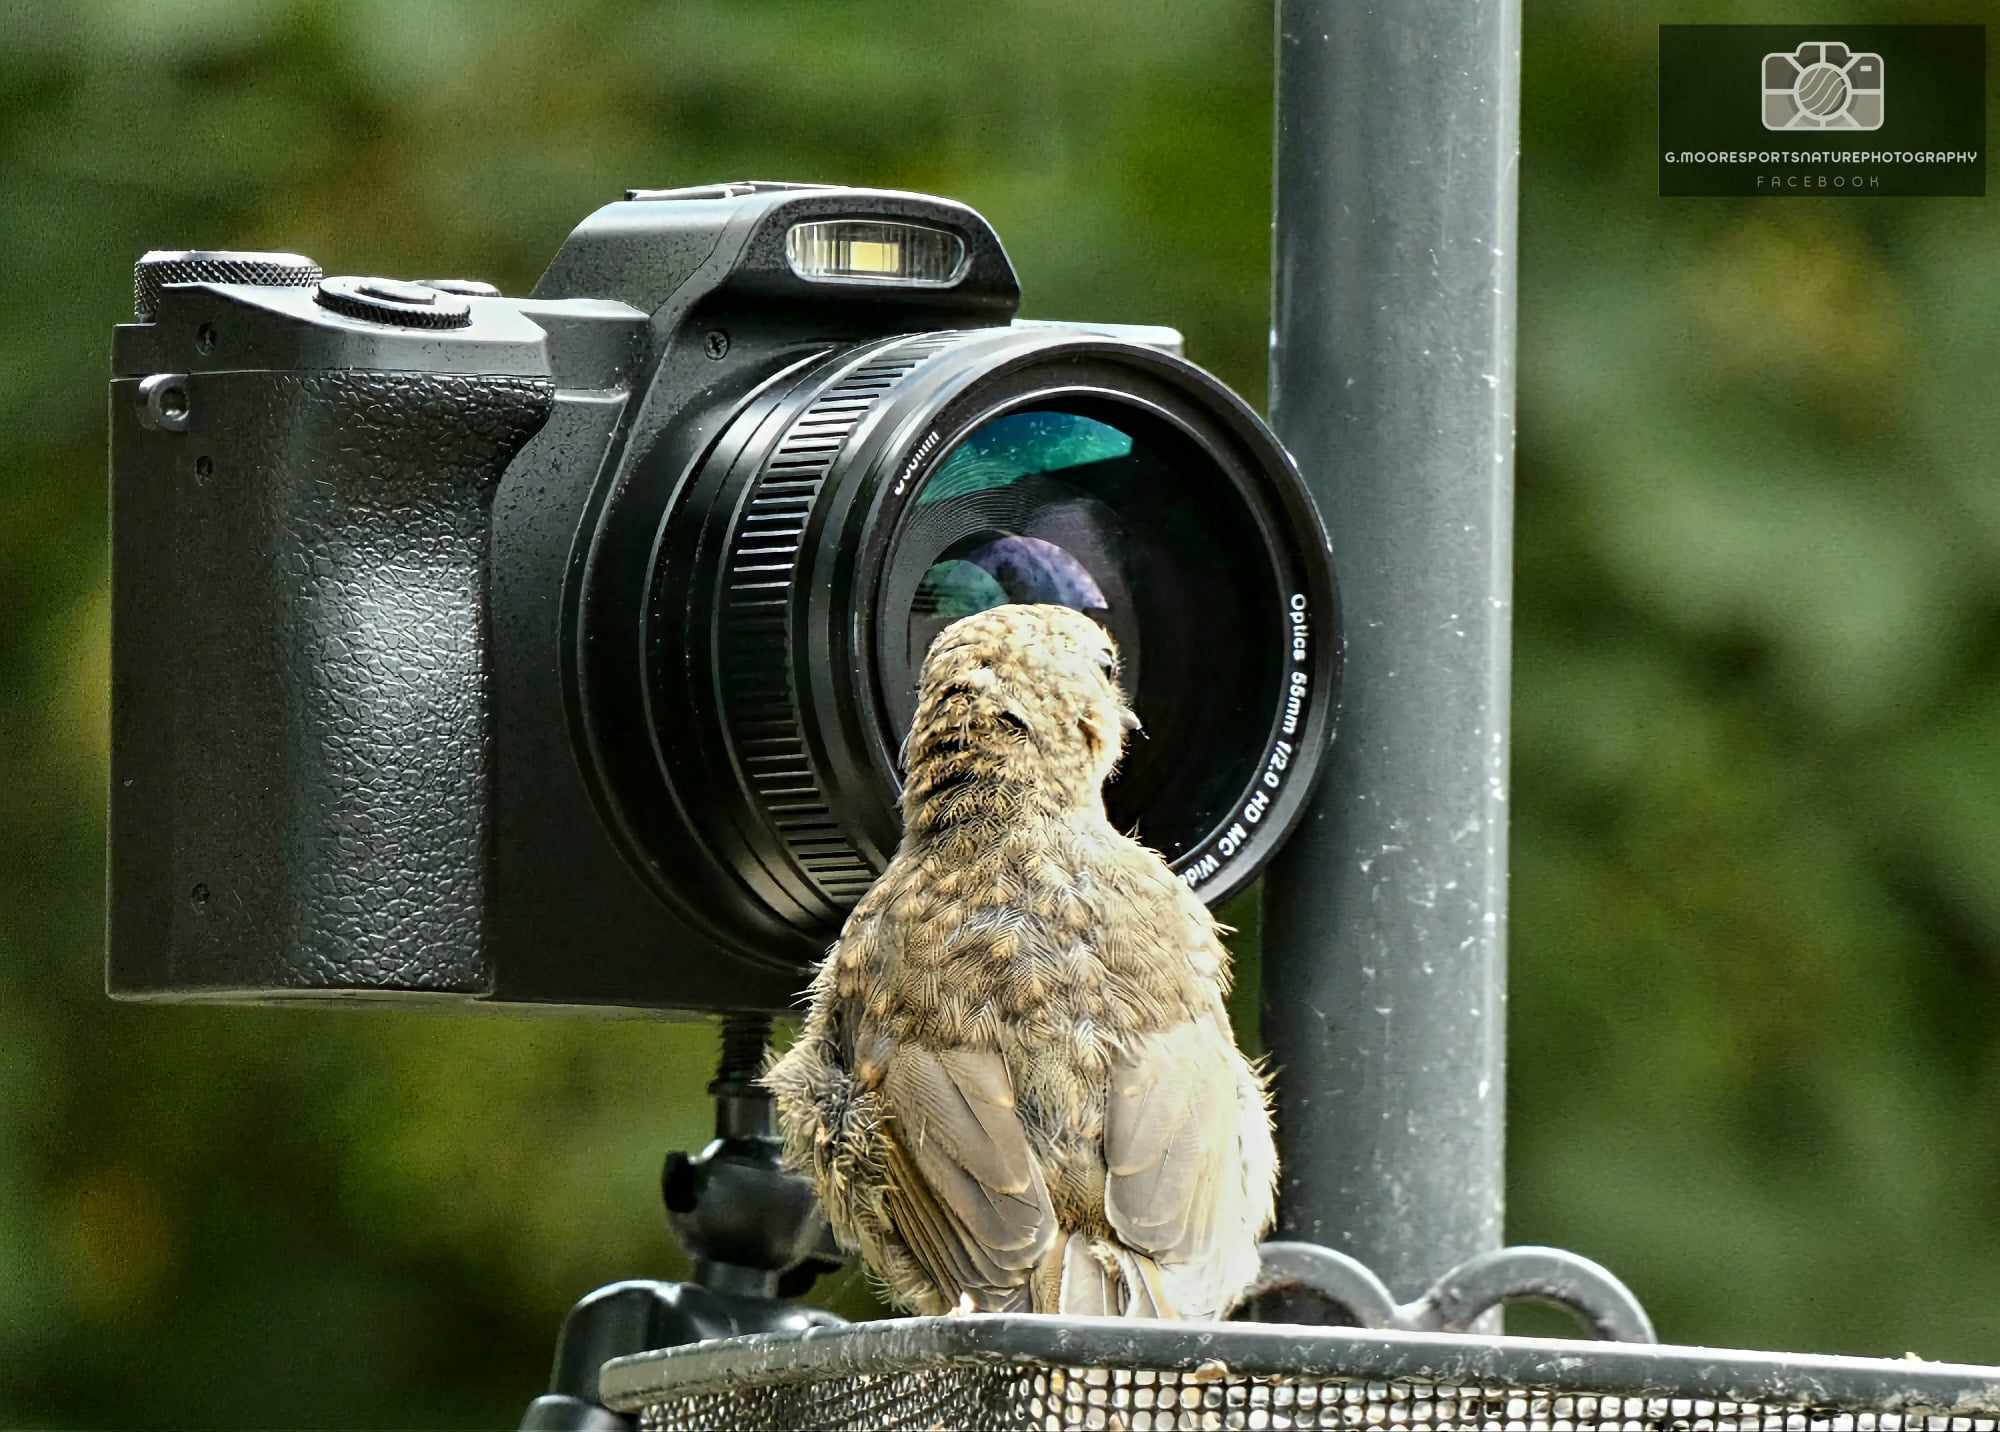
996,565
1112,510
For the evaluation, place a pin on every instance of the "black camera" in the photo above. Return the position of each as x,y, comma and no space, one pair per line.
558,649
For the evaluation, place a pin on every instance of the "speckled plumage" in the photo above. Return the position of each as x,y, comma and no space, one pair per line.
1016,1086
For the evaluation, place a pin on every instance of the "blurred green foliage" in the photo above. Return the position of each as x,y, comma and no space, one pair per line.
1756,935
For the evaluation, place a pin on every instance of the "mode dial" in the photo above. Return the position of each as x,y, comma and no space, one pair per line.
160,267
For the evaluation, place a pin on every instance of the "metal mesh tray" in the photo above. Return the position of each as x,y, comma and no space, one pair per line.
1025,1371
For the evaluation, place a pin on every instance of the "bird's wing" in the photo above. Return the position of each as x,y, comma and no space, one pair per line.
1174,1184
965,1190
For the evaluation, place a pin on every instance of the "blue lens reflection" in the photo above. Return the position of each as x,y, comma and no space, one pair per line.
989,573
1020,445
1000,565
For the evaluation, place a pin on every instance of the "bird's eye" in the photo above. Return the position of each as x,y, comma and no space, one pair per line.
1109,666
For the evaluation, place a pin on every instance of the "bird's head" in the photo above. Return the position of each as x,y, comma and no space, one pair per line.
1023,694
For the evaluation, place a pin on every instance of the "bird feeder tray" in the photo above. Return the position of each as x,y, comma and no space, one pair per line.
1041,1372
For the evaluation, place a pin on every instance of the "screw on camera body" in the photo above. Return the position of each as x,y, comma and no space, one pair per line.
162,401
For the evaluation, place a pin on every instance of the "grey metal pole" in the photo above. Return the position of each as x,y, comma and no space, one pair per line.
1392,381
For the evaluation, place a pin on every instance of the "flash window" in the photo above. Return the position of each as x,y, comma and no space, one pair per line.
864,251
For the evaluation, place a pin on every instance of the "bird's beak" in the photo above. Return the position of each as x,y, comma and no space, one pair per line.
1129,719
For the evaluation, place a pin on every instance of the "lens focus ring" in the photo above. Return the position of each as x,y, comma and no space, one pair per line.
760,703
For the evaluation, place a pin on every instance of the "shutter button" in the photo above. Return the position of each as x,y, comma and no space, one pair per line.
464,287
388,300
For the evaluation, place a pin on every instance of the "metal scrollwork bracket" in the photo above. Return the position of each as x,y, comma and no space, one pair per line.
1467,1293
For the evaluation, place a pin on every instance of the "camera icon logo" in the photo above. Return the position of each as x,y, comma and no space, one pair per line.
1820,85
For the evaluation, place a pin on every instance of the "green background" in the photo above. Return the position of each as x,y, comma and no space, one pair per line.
1756,937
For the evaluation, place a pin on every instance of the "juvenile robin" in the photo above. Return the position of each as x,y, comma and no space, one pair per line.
1016,1088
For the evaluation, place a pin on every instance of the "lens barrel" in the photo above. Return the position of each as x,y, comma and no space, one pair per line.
755,612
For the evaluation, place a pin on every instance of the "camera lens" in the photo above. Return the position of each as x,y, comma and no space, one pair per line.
1104,507
762,600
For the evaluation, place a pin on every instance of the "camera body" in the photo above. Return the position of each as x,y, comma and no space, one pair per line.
415,644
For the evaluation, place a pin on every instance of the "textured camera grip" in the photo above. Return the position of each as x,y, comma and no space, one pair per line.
322,655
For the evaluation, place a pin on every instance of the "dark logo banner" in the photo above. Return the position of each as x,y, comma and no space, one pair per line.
1823,110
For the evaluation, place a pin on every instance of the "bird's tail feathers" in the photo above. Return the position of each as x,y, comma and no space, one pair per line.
1091,1277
